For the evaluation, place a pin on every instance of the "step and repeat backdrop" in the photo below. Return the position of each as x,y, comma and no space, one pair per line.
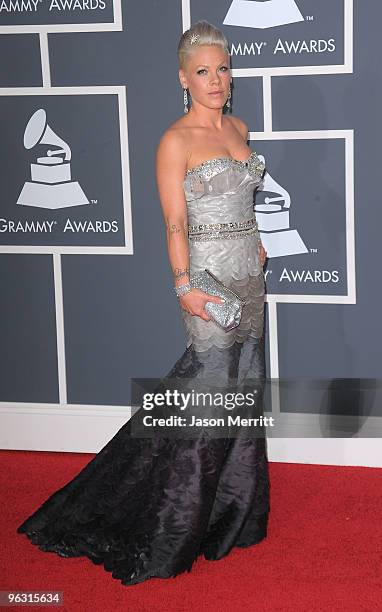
87,87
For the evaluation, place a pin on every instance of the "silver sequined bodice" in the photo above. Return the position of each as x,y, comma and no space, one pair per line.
220,192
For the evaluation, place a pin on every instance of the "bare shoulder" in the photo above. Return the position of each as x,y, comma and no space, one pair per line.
171,165
239,125
173,144
172,141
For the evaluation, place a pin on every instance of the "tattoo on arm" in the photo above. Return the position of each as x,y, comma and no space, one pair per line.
180,272
173,228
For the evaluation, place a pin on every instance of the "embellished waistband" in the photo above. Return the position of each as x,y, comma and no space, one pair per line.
220,231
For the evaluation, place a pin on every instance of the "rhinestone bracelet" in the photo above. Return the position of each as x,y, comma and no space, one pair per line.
182,289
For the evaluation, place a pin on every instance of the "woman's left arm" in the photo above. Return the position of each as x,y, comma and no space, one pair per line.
242,127
262,252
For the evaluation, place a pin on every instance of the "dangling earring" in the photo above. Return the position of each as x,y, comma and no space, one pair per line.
185,100
228,103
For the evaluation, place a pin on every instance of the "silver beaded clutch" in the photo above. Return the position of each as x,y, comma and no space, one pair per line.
226,315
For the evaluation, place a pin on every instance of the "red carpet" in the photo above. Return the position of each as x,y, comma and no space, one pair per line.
323,551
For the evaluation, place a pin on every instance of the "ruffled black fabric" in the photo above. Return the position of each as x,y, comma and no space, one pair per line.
148,507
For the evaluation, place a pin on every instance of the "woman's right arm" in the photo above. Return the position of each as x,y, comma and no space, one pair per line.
171,165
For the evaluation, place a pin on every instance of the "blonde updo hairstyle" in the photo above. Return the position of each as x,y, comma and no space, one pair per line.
207,35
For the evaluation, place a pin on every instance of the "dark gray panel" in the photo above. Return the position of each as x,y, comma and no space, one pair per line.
121,320
247,102
20,61
323,341
329,343
28,356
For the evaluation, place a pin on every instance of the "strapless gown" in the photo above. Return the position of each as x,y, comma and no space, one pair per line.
148,507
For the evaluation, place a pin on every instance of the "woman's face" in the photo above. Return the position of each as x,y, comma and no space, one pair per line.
207,76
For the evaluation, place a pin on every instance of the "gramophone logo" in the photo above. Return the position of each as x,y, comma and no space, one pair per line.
268,14
51,184
273,220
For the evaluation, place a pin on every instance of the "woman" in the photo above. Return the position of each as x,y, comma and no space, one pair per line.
148,507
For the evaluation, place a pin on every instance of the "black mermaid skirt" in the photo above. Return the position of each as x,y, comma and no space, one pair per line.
148,507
